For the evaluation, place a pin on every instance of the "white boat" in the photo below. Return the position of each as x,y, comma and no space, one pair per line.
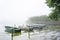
12,29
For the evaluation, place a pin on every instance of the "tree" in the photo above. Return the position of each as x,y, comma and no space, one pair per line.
54,15
38,19
55,5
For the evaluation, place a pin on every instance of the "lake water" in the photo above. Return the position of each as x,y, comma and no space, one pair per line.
36,35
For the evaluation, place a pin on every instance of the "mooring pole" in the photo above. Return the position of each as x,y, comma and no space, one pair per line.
12,34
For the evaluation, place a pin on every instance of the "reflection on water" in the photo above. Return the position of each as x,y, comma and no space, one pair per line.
15,34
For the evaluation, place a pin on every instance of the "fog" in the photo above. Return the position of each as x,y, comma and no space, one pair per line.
18,11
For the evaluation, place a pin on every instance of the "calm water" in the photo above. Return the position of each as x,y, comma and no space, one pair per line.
36,35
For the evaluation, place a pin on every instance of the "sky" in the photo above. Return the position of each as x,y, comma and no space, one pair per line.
18,11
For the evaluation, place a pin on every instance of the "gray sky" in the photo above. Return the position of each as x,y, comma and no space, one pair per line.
18,11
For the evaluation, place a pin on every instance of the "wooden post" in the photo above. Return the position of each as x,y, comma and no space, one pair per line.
12,34
29,34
